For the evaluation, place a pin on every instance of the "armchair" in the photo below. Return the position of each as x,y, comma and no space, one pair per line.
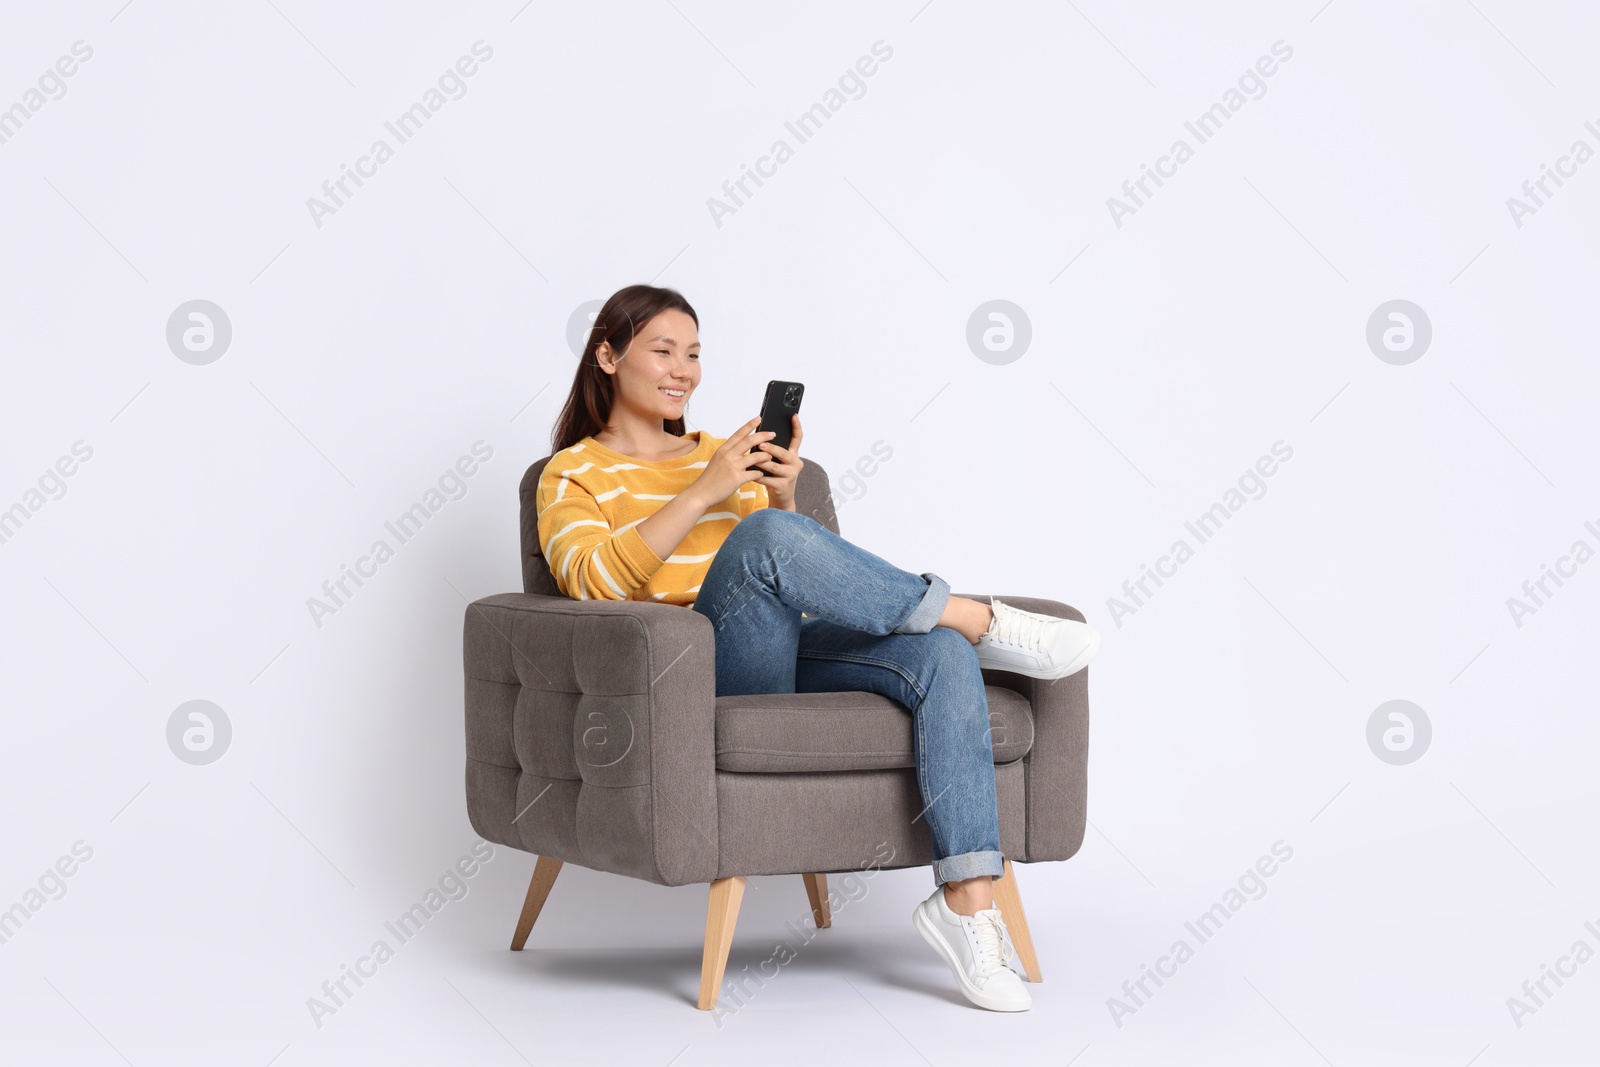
594,736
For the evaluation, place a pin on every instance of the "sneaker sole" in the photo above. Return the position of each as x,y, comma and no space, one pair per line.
1077,664
977,996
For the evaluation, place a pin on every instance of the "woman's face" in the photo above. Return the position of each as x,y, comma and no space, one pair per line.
660,369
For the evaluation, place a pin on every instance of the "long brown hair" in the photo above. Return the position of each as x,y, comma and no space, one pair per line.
589,403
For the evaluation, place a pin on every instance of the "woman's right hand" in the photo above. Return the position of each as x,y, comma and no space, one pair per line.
730,466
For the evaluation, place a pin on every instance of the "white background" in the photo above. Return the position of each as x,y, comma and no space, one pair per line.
1228,313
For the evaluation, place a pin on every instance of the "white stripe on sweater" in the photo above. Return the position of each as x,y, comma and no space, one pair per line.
574,525
561,489
601,567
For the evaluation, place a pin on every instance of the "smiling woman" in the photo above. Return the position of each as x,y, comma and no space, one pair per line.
632,507
611,521
657,331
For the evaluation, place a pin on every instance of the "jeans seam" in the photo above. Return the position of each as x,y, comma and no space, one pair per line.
845,657
922,788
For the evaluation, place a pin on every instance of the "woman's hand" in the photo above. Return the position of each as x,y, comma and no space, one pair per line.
782,466
730,466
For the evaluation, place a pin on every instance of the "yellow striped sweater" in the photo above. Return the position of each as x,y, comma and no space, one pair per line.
589,501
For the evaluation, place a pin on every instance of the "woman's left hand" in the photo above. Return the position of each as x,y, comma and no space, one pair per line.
783,469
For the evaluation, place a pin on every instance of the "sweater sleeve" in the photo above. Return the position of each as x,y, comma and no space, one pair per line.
588,560
749,502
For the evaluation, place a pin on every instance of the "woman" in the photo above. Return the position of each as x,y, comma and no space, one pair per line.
632,507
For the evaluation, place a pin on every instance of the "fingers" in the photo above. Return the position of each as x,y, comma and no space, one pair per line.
744,440
746,431
780,468
787,455
790,454
755,442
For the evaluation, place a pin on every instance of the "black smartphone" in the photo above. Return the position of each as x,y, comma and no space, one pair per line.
782,402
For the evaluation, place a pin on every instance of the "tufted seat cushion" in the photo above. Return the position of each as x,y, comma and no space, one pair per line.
787,733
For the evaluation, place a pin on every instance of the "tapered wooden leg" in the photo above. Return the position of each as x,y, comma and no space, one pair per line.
544,876
817,890
721,914
1010,902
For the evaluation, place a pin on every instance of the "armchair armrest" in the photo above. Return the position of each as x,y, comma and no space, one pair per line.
1056,768
591,734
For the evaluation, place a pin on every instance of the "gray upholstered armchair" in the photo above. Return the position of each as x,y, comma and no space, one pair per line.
595,736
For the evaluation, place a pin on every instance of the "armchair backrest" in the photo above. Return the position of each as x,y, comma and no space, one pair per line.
812,497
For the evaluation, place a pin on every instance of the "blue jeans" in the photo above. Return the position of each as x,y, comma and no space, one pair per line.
870,627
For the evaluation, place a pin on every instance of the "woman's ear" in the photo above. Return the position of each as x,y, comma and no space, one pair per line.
604,356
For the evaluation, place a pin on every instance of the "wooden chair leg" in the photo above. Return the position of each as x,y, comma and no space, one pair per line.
544,876
1010,902
817,890
722,912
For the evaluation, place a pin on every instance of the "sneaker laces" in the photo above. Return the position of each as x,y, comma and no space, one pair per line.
1017,627
993,950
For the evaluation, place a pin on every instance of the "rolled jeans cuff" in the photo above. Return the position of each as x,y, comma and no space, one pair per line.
968,865
925,616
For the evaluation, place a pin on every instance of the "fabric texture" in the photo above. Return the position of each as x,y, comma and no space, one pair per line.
849,730
590,733
590,501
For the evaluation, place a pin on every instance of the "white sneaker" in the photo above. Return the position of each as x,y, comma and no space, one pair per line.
978,950
1039,646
